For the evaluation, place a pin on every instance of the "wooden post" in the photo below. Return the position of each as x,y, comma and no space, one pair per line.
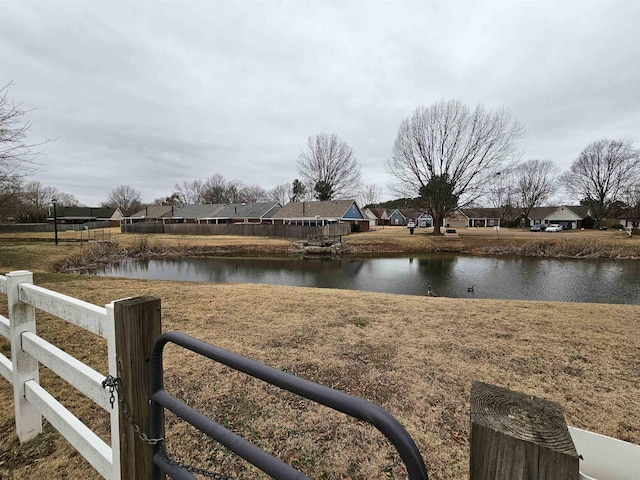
137,325
22,318
518,437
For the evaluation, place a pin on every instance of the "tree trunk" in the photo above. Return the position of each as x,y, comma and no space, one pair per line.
437,223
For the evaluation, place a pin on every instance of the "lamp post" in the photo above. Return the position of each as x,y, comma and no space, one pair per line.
55,219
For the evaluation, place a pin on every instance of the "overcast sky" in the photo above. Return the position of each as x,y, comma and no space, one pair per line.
152,93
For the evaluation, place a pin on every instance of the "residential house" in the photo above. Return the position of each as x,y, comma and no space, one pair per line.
322,213
247,212
152,213
401,217
473,217
197,213
376,216
569,216
456,219
425,220
397,218
80,215
483,217
538,214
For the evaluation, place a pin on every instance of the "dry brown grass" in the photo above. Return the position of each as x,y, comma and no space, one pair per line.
485,241
414,356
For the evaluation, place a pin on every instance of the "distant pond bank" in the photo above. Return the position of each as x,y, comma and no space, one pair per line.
524,278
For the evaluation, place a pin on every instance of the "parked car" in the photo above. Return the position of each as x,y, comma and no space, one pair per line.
537,228
554,227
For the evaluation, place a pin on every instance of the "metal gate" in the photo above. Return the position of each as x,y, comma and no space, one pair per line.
336,400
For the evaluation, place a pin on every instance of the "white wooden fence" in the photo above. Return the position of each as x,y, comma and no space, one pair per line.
28,350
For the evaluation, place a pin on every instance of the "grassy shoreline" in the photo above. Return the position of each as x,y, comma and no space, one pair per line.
415,356
73,255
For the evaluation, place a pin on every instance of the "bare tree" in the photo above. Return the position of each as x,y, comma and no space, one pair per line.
460,149
501,193
281,193
501,190
66,199
369,195
214,189
125,197
173,199
601,172
330,165
36,198
253,193
16,154
188,193
235,191
631,196
535,182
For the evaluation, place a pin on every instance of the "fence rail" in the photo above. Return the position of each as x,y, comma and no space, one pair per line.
80,313
28,350
84,378
83,439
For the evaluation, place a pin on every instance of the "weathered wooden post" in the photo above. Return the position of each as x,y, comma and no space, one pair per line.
22,318
518,437
137,325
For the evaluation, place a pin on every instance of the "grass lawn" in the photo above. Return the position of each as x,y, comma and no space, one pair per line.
414,356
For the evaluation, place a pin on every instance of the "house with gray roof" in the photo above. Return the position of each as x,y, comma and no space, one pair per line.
247,212
80,215
402,216
473,217
569,216
537,215
424,220
153,213
483,217
322,213
197,213
376,216
566,215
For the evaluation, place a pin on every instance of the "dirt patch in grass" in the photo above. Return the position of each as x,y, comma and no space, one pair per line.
415,356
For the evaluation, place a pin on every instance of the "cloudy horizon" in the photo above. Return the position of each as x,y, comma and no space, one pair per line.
150,94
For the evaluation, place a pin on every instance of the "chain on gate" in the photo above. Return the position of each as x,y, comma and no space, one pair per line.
112,384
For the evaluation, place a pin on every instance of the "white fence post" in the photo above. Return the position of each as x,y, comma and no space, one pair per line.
115,411
22,319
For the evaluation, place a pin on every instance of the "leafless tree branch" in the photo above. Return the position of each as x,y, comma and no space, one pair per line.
331,162
535,181
601,172
448,140
16,153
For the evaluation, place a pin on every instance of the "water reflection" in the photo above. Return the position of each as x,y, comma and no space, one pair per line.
449,275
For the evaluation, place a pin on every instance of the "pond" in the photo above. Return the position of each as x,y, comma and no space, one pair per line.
525,278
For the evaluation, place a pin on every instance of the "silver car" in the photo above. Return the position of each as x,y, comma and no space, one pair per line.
554,227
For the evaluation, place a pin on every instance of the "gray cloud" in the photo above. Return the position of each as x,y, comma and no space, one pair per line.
153,93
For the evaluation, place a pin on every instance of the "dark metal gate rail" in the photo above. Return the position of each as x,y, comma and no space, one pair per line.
340,401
